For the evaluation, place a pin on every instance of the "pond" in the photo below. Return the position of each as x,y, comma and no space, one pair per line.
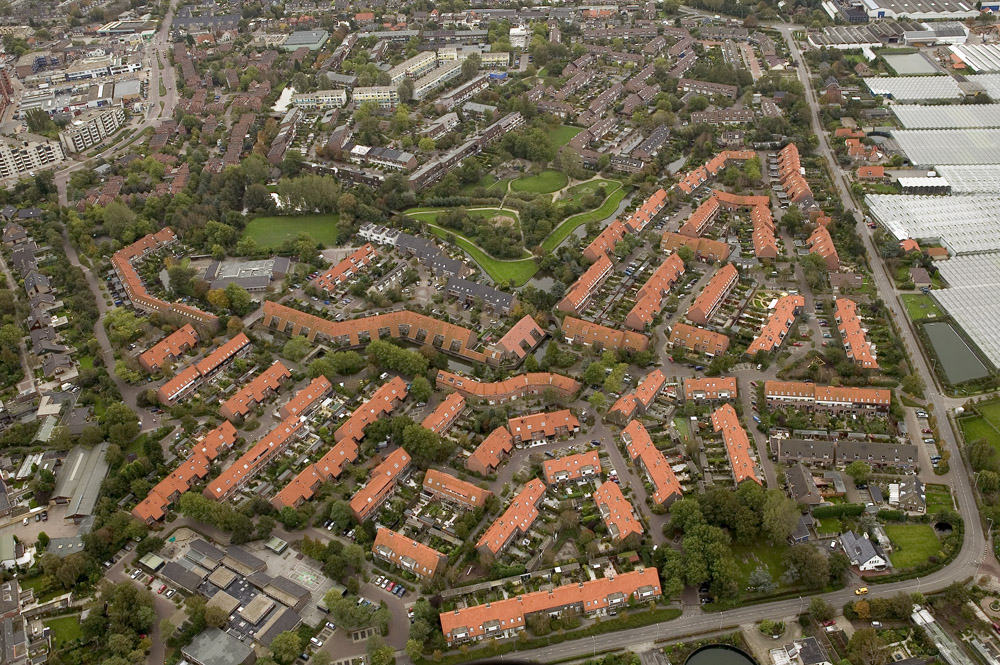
719,654
959,362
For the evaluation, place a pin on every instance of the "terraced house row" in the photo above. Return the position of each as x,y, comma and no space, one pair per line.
694,179
636,402
698,340
778,324
253,394
644,453
726,421
579,295
506,618
713,295
170,348
705,249
649,299
204,370
515,520
516,387
351,266
832,399
859,349
578,331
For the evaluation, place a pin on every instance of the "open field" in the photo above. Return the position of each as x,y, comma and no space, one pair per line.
563,134
913,544
921,307
977,427
763,555
546,182
490,183
569,225
577,192
272,231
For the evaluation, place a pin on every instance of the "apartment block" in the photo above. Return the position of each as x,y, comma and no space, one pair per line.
709,388
699,340
171,347
644,453
712,296
725,420
543,426
253,394
859,349
506,618
516,520
27,153
306,399
413,68
778,324
516,387
605,242
395,548
833,399
576,299
320,100
381,485
444,486
386,97
616,511
91,128
572,467
578,331
436,78
495,448
444,416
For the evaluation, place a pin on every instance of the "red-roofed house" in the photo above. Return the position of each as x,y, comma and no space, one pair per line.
778,324
725,420
636,402
576,299
342,272
543,426
417,558
616,511
380,486
494,449
254,393
856,343
709,388
169,348
646,455
517,519
445,415
571,467
441,485
708,301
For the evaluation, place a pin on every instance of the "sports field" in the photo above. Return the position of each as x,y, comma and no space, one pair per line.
272,231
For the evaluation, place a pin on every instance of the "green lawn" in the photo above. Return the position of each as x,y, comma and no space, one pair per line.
921,307
990,411
977,427
682,427
546,182
489,182
828,525
569,225
563,134
64,629
519,270
750,559
577,192
272,231
912,544
938,499
86,362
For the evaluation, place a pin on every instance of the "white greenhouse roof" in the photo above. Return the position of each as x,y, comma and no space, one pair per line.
915,88
965,224
949,146
981,57
971,178
988,82
971,299
917,116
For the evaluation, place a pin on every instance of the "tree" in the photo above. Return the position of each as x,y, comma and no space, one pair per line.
597,401
867,648
296,348
420,390
820,610
686,254
860,471
426,144
414,649
286,647
807,565
123,326
697,103
760,580
780,516
240,301
215,616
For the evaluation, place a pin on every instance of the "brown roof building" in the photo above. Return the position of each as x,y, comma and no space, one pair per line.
542,425
495,448
778,324
571,467
445,415
576,299
516,387
169,348
380,486
254,393
699,340
636,402
445,486
578,331
712,296
645,454
617,512
517,519
417,558
705,249
710,388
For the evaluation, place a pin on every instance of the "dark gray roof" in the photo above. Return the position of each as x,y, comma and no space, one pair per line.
240,555
468,289
806,449
802,485
4,498
65,546
80,477
23,258
52,364
10,594
859,549
430,254
204,551
876,493
180,576
287,620
13,641
811,652
877,453
214,647
289,587
35,279
29,213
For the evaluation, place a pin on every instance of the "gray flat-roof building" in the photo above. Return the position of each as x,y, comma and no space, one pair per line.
214,647
311,39
79,480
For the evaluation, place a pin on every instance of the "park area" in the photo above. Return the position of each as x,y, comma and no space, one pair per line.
546,182
919,307
984,424
272,231
569,225
912,544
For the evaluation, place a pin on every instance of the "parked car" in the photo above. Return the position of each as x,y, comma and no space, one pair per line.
860,591
400,591
163,587
135,574
170,593
391,587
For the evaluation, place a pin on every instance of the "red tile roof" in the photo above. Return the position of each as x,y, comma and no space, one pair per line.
589,282
871,172
382,402
170,347
694,179
641,447
416,557
606,241
522,385
222,355
707,303
255,392
646,212
616,511
524,336
254,460
178,386
445,414
699,339
380,485
518,518
790,174
644,394
571,467
587,333
306,399
856,343
821,243
486,458
724,419
826,395
721,387
703,248
454,489
909,245
544,424
349,267
778,324
649,299
702,216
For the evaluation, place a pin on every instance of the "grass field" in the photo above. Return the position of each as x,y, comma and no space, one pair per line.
577,192
430,214
519,270
570,224
563,134
938,499
682,427
546,182
750,559
913,544
490,183
272,231
921,307
64,629
977,427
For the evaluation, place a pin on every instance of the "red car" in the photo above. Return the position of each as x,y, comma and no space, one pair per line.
162,589
796,343
926,430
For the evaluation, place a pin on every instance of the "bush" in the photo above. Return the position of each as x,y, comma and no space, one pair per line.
840,510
